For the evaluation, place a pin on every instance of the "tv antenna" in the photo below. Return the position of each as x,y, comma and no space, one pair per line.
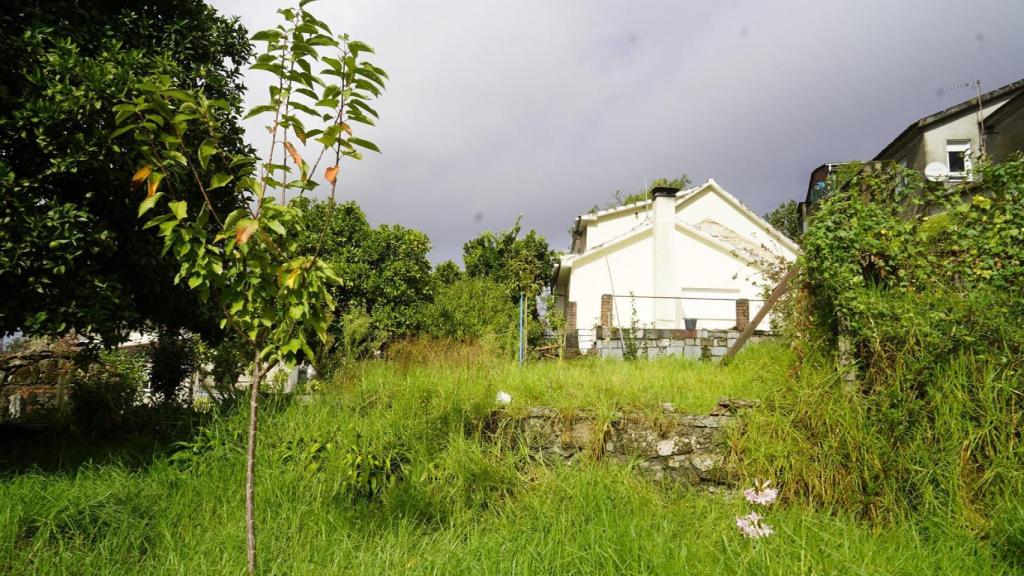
976,84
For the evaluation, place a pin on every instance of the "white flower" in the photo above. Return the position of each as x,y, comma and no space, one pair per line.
503,398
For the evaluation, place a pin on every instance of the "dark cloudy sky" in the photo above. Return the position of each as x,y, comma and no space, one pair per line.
546,107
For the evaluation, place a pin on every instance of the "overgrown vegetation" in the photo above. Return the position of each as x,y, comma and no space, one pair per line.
914,289
385,269
620,199
460,504
104,395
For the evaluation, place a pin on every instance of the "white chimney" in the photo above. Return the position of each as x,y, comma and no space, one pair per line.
664,282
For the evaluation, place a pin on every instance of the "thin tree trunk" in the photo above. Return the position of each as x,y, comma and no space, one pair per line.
250,466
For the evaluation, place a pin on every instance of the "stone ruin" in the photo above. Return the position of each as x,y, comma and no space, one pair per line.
686,448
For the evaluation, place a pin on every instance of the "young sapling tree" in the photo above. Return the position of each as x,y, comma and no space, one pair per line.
247,262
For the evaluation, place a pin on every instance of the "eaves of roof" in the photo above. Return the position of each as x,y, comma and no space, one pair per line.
1011,107
964,107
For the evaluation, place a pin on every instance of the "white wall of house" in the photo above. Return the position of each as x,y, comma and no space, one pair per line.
707,271
931,145
616,223
664,268
621,271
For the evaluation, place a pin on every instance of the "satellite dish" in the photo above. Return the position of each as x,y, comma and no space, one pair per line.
936,172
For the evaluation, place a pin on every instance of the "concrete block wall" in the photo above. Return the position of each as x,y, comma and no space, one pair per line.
653,343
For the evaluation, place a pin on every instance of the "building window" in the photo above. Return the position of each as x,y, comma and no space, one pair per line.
958,157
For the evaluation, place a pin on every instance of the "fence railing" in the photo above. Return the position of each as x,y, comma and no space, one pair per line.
678,312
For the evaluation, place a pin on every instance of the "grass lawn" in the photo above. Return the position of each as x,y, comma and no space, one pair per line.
461,506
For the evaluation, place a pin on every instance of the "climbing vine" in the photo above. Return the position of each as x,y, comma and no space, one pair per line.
900,264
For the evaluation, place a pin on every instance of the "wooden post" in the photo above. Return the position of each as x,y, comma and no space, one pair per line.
749,331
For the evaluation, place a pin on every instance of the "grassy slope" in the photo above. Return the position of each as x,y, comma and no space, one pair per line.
463,507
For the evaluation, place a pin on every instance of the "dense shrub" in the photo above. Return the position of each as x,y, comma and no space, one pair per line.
104,393
223,363
473,309
174,359
890,237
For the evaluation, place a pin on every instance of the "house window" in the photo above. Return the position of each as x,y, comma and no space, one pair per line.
958,157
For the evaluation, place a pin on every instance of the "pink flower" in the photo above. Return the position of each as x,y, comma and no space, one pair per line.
761,494
752,527
763,498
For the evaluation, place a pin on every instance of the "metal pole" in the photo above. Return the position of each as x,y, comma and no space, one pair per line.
981,120
522,306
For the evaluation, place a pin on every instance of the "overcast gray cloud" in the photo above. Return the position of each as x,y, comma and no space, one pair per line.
544,108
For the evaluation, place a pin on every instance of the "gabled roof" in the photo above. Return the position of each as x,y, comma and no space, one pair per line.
742,244
645,226
1012,106
711,185
964,107
642,204
710,231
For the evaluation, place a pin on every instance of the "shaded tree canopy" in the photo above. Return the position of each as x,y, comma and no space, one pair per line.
520,264
385,270
446,273
785,219
72,254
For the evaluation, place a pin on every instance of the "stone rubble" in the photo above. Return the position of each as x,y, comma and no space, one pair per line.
685,448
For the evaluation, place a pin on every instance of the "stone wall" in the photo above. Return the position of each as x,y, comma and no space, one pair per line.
685,448
651,343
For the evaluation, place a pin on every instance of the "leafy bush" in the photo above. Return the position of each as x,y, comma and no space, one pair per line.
473,309
174,358
386,271
211,441
103,394
890,236
368,471
222,364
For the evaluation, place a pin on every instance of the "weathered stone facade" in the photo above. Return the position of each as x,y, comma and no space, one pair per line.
685,448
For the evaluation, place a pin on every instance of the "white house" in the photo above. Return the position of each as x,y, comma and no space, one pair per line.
682,258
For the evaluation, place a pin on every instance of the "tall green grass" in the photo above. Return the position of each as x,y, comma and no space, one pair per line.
950,450
462,505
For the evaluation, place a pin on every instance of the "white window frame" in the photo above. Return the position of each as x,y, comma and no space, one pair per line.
964,146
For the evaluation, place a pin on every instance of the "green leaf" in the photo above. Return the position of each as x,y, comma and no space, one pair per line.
219,179
276,226
178,208
355,46
256,110
157,221
364,144
267,36
206,149
177,157
122,129
147,204
166,227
